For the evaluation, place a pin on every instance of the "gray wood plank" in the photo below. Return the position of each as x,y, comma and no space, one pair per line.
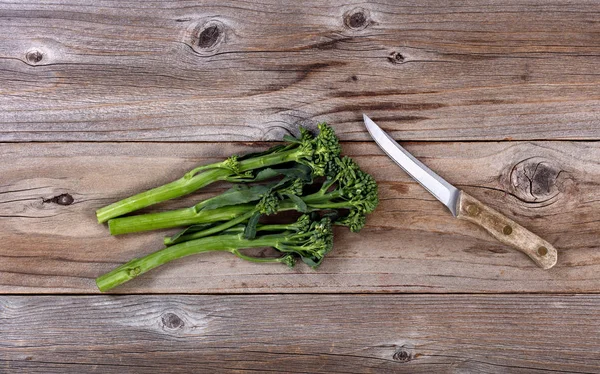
52,243
300,334
237,70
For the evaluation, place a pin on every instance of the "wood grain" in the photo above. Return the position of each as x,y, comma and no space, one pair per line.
230,70
411,242
300,334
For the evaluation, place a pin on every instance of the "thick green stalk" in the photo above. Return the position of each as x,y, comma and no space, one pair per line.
322,197
227,225
230,243
294,154
182,217
191,182
213,230
175,218
180,187
329,205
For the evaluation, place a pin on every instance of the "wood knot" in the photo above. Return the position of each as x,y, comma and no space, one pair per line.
357,19
208,36
534,180
402,355
396,58
172,321
62,199
34,56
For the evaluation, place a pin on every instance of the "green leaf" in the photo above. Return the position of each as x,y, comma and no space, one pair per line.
237,195
300,204
264,174
299,171
250,230
310,262
315,216
291,139
286,248
190,230
333,215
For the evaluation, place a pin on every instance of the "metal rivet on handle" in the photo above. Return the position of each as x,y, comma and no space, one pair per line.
507,230
542,251
472,209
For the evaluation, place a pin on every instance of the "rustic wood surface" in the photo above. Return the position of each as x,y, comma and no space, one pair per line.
246,70
301,334
100,99
411,242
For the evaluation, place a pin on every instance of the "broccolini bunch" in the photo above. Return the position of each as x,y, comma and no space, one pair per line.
306,174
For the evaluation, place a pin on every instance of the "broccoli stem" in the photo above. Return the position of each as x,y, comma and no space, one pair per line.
213,230
322,197
329,205
228,226
175,218
193,181
230,243
180,187
183,217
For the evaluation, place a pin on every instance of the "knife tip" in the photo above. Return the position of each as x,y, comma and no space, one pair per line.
369,124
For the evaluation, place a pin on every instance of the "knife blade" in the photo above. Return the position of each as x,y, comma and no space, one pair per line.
462,205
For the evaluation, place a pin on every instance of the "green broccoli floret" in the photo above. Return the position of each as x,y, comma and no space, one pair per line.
309,242
311,245
326,149
232,164
302,224
293,188
268,204
354,220
347,187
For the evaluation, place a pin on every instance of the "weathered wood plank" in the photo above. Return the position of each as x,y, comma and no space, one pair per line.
301,334
411,243
239,70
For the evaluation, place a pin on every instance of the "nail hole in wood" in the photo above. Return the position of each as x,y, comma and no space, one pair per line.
402,355
357,19
396,58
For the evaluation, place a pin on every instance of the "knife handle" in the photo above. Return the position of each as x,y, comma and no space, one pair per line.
507,231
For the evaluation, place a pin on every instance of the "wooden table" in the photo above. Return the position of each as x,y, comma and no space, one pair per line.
102,99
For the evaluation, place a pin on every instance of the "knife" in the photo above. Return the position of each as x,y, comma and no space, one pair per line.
464,206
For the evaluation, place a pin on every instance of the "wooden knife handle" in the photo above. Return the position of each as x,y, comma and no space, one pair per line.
507,231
